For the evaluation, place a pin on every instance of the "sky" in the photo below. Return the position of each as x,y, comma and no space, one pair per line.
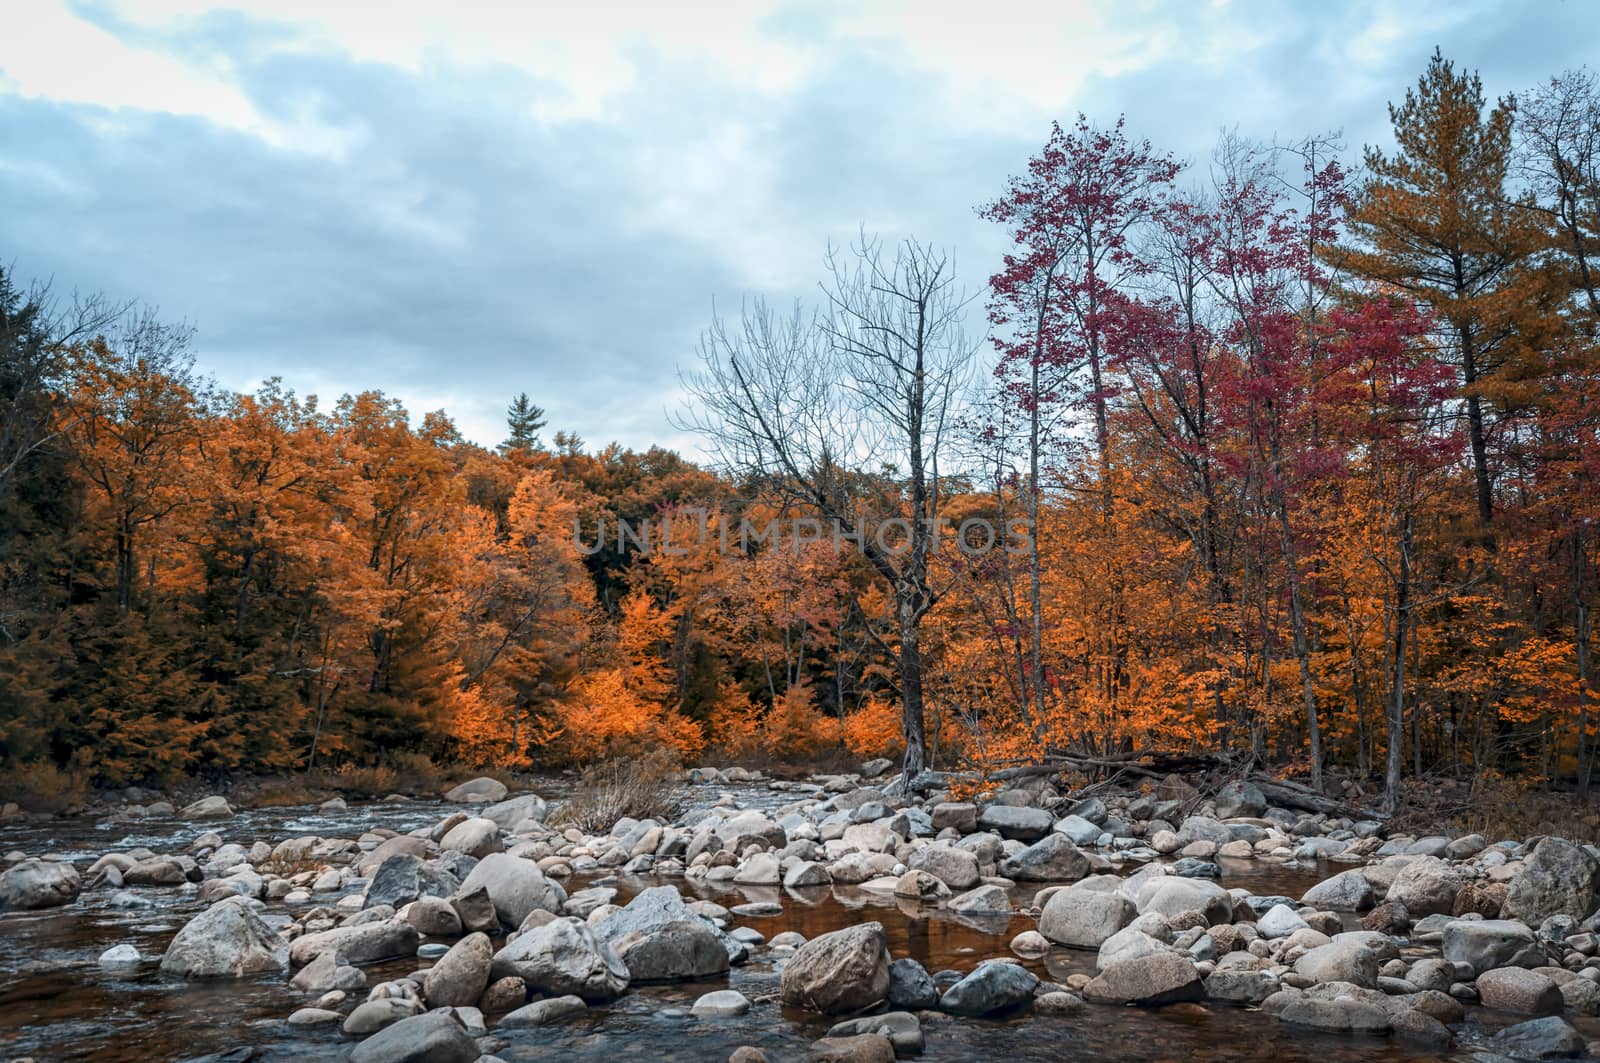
454,203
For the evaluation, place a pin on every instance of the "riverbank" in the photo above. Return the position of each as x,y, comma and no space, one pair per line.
478,929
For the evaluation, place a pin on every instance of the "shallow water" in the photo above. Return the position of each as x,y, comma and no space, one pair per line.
57,1003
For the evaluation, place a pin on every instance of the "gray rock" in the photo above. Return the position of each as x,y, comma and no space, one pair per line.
900,1027
1017,821
477,791
842,971
227,940
1348,891
404,877
723,1002
1426,886
910,986
565,958
1557,878
373,1015
1523,991
508,814
207,808
994,988
956,868
1158,978
1341,1015
1240,798
476,837
515,886
461,975
1169,895
1084,918
1051,859
432,1037
1548,1038
1483,944
1340,961
358,942
1240,987
35,884
543,1012
661,939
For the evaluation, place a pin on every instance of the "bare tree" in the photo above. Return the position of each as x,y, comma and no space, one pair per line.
36,332
864,389
1558,153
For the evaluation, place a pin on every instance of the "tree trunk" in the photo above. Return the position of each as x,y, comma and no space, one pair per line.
911,690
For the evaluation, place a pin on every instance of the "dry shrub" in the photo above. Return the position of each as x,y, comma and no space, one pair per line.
43,787
874,730
1497,808
643,787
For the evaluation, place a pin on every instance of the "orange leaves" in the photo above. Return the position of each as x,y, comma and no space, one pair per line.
606,717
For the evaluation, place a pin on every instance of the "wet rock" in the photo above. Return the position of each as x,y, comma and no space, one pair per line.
1240,987
985,900
404,877
476,910
842,971
156,871
434,917
564,958
1052,859
35,884
660,939
433,1037
1519,990
515,887
1548,1038
1158,978
227,940
1169,896
120,956
994,988
1279,922
313,1017
1476,899
1084,918
461,975
910,986
1557,878
358,943
958,816
1030,944
806,873
1341,1015
748,828
722,1003
902,1029
862,1048
1387,918
543,1012
477,791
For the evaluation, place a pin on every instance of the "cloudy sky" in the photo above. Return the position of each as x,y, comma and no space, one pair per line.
457,202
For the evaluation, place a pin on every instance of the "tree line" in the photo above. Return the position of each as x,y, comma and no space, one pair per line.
1302,450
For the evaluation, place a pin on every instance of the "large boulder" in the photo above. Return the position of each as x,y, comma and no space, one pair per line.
227,940
1170,895
1084,918
1051,859
461,975
563,958
358,942
659,938
1340,961
1347,1015
207,808
1348,891
404,877
476,837
1484,944
956,868
994,988
1240,798
1519,990
747,828
432,1037
1557,878
516,887
479,791
842,971
910,985
508,814
39,884
1426,886
1159,978
1547,1038
1017,821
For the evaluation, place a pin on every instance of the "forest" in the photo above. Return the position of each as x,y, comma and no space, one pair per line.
1301,445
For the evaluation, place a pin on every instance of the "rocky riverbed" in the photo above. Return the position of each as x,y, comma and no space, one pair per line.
833,919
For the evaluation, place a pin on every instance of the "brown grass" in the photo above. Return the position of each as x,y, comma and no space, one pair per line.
648,787
43,787
1498,809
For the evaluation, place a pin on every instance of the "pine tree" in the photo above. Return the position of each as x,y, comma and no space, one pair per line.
524,419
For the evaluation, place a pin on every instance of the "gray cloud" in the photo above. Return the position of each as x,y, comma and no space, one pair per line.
434,239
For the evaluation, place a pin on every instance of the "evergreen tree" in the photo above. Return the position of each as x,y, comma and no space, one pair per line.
524,419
